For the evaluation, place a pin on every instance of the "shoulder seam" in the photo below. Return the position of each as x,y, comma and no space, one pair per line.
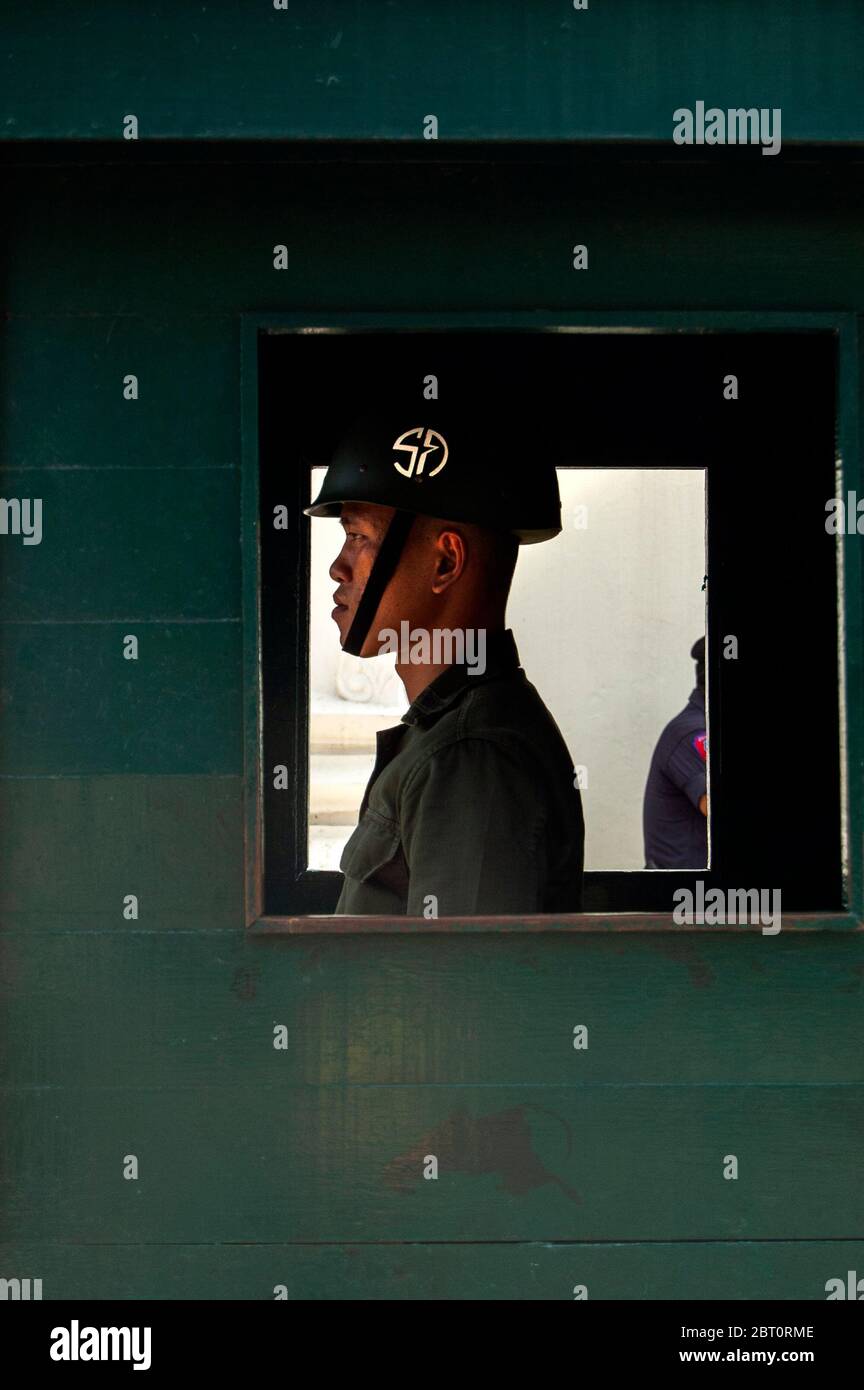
492,737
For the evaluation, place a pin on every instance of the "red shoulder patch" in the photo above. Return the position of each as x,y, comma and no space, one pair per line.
700,743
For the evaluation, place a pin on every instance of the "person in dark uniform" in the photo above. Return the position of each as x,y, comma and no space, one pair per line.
675,808
472,806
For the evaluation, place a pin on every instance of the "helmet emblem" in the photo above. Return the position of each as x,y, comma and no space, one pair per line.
429,441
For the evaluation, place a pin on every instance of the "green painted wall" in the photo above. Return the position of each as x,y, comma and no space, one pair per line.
154,1037
490,69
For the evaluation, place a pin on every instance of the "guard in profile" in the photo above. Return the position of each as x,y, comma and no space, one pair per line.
675,808
472,807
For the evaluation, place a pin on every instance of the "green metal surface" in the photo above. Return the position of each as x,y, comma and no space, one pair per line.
172,531
155,1036
240,1162
494,69
73,847
168,423
662,1009
74,705
528,1271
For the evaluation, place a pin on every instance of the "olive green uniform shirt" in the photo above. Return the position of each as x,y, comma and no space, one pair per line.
471,808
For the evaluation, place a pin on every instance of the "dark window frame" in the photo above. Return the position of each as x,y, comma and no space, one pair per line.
302,917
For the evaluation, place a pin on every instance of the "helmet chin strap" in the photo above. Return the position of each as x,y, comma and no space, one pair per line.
379,577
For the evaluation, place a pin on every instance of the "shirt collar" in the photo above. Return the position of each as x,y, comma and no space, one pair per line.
697,697
502,659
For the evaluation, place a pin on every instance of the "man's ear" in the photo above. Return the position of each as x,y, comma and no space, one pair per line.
450,557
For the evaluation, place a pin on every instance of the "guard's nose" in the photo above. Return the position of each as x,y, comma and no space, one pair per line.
340,570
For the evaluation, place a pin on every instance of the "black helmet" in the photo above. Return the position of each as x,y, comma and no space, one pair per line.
473,465
458,464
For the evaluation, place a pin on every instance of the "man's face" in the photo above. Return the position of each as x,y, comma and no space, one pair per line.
365,525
